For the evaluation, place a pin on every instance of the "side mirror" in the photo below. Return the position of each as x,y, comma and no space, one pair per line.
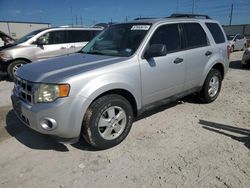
41,41
155,50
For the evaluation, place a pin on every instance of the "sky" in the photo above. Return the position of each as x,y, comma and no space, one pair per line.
90,12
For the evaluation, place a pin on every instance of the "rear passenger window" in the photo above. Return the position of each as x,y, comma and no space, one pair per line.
168,35
216,32
240,37
79,36
195,35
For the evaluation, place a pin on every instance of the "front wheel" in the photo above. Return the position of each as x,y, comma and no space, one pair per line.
107,121
212,86
13,66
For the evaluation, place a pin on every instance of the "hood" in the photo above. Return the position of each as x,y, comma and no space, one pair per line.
55,70
7,46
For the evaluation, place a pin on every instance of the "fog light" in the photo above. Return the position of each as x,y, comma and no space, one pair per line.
48,124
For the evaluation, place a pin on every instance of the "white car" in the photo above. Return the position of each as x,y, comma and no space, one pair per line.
43,44
246,58
237,42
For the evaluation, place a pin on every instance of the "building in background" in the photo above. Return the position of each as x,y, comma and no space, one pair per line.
18,29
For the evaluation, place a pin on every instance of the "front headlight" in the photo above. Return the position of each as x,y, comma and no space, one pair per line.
50,92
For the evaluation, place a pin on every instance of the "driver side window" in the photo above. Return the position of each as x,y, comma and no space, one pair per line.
54,37
169,36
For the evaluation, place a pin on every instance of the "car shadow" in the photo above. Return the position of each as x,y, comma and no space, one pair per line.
30,138
223,129
235,65
4,77
194,99
35,140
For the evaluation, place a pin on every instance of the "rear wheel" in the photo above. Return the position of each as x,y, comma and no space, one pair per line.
107,121
13,66
212,86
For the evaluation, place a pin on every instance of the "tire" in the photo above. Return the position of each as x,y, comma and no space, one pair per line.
13,66
245,66
102,127
208,93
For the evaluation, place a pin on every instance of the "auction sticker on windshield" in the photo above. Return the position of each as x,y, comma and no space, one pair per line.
140,27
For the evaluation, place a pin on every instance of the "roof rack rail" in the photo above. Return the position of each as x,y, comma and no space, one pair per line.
177,15
143,18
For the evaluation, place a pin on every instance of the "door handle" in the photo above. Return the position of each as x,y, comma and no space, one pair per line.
63,48
72,46
178,60
208,53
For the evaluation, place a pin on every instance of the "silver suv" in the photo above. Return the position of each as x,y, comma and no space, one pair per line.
43,44
126,69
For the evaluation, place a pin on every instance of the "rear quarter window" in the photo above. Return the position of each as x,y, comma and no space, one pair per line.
216,32
79,36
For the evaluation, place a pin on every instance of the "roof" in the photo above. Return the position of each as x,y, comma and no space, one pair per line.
74,28
157,20
173,17
26,22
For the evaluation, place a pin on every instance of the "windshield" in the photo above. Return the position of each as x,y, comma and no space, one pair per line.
118,40
28,36
230,37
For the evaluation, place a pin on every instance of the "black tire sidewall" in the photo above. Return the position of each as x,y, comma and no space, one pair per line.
207,98
97,109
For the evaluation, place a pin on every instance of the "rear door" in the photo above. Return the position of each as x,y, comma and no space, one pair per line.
55,45
198,53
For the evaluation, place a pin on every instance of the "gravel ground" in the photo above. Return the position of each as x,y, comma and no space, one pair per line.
183,144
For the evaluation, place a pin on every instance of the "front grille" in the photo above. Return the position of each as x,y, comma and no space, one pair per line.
24,90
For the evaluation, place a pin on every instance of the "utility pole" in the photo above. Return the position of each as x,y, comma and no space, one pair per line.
193,5
81,21
231,14
76,21
71,14
126,19
177,6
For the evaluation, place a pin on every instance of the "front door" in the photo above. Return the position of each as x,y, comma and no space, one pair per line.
164,76
55,45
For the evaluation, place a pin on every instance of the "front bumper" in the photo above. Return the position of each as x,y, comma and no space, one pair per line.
67,112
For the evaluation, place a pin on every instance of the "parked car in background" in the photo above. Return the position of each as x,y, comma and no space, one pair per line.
43,44
246,58
126,69
5,39
237,42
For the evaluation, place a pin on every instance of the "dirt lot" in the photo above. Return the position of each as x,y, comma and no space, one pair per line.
184,144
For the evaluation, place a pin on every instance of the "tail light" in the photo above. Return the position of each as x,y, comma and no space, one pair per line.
228,51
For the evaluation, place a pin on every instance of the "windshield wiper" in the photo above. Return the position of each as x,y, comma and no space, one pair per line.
95,53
